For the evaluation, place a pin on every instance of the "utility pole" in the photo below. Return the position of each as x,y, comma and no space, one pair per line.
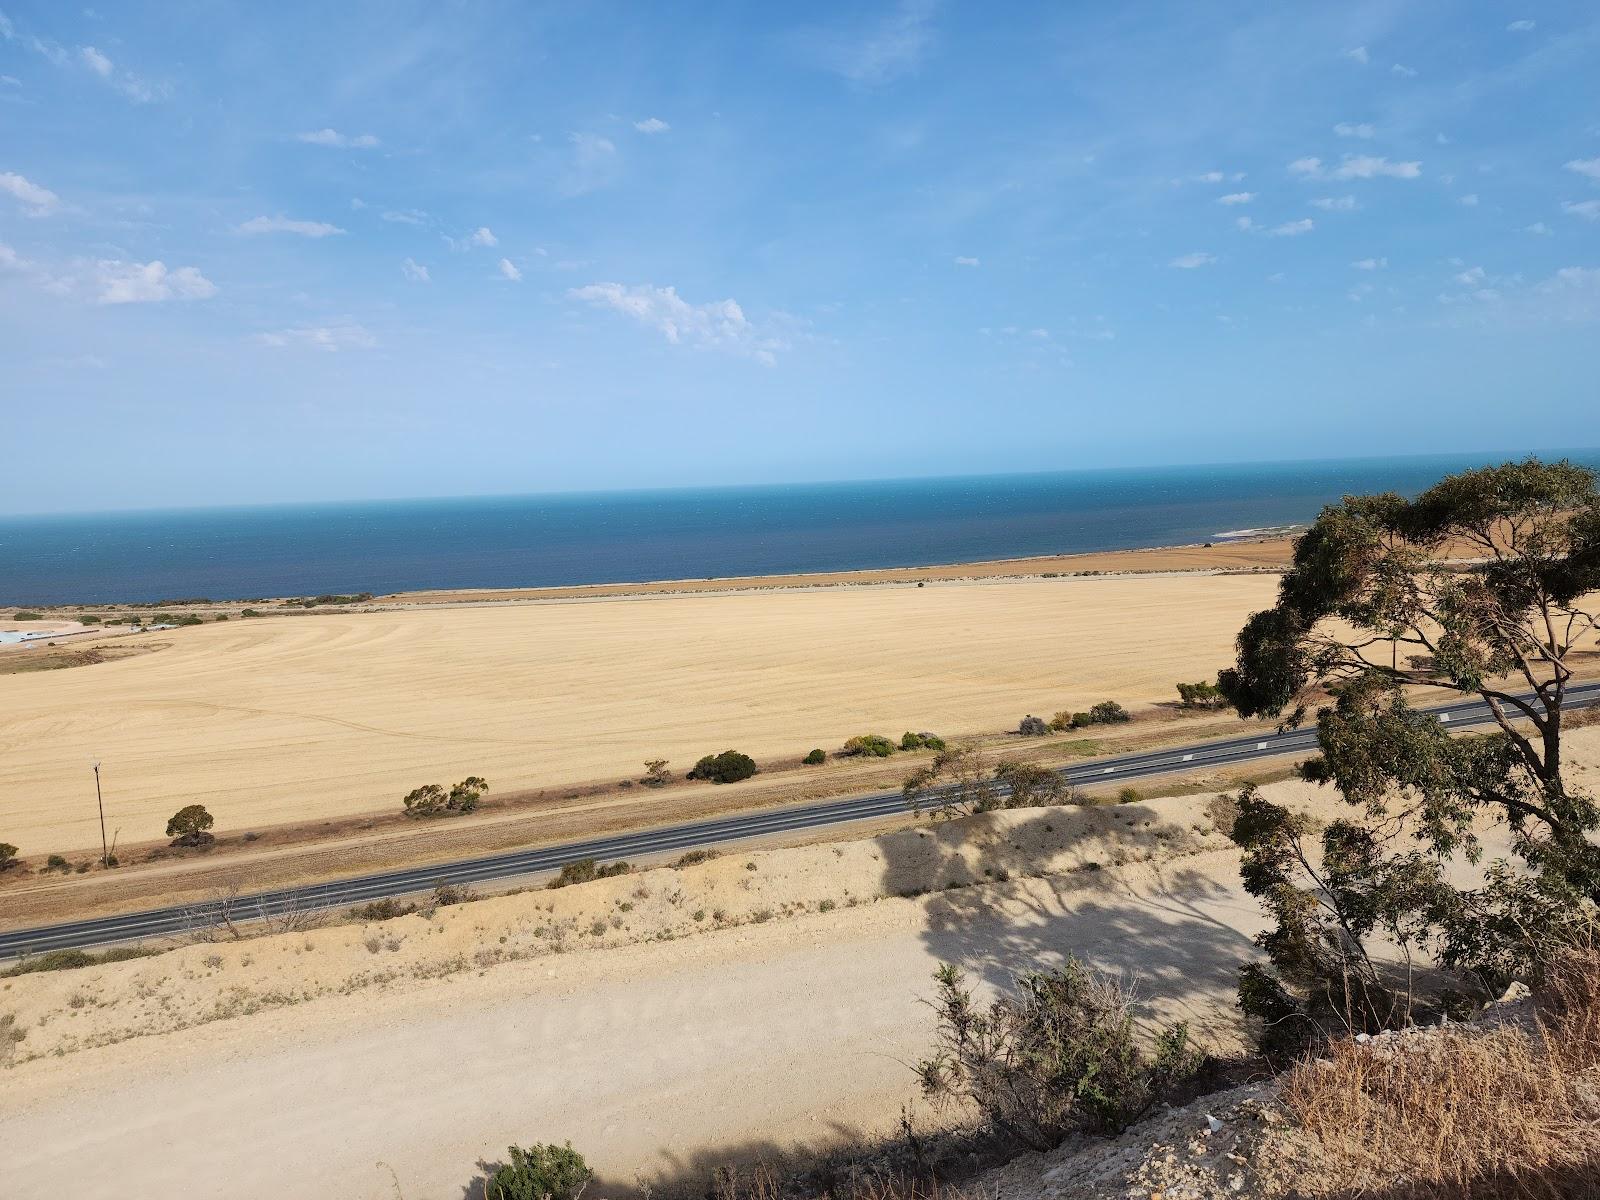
105,851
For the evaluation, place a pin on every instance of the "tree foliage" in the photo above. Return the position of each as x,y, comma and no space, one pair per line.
189,826
868,745
959,782
1480,587
8,855
1201,695
431,800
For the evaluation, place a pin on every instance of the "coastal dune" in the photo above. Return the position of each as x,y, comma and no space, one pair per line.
328,715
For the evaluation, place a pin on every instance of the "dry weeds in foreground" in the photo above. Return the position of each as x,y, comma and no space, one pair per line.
1510,1111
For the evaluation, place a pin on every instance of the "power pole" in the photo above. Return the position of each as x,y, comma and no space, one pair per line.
105,850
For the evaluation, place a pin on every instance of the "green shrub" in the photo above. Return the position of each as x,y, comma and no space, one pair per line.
921,741
250,612
691,857
1057,1057
8,855
88,619
656,773
1062,720
1201,695
1032,726
815,757
868,745
25,615
1108,712
71,960
586,870
1032,786
1081,720
728,767
382,910
56,863
189,825
541,1172
1129,795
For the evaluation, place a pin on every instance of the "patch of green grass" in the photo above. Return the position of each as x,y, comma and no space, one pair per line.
71,960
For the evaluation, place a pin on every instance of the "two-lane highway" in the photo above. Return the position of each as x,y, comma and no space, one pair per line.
166,922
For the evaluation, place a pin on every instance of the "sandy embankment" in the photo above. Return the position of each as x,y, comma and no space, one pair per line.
331,715
657,1045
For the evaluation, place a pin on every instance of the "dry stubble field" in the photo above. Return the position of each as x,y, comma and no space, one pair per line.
314,717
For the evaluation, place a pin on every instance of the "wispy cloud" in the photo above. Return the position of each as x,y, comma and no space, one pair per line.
716,325
652,125
280,224
1470,200
1401,71
1335,203
1292,228
510,270
331,338
139,90
1370,264
36,201
1346,130
1188,262
1589,210
1521,27
410,216
595,164
1356,166
1236,198
875,52
335,140
1586,166
1358,54
118,282
414,271
962,260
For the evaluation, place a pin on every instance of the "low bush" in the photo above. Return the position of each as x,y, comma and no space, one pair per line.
728,767
815,757
655,773
431,800
1029,785
25,615
1057,1057
190,826
1033,726
1108,712
446,894
71,960
541,1172
921,741
1129,795
692,857
867,745
88,619
382,910
586,870
57,862
8,855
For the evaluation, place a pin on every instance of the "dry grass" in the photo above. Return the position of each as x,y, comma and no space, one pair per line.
1504,1112
329,715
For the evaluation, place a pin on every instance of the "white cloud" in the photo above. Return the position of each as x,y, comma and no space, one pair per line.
1236,198
595,163
1520,27
651,125
963,261
335,140
1292,228
1471,277
1401,71
1539,228
1586,166
716,325
1346,130
509,270
482,236
116,282
1358,54
1589,210
37,201
1356,166
1209,177
1244,224
879,52
331,338
410,216
95,61
10,81
1188,262
1335,203
1470,200
310,229
414,271
1370,264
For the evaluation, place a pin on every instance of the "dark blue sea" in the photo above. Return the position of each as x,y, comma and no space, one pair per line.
607,537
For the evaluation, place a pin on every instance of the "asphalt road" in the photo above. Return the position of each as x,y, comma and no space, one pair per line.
167,922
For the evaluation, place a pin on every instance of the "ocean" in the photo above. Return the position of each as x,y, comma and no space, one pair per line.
611,537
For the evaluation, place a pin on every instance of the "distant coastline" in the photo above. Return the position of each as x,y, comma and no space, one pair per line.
641,538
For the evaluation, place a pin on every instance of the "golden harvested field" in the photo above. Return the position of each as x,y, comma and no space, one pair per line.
313,717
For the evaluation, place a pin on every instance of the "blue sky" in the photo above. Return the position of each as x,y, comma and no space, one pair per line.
271,252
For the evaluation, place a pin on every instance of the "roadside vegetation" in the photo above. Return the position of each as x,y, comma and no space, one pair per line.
431,800
728,767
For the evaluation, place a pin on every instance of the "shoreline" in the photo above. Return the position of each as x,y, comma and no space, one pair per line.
1270,551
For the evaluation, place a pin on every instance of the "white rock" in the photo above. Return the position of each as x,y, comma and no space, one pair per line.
1216,1125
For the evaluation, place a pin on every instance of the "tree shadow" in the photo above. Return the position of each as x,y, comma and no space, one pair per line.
1126,894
